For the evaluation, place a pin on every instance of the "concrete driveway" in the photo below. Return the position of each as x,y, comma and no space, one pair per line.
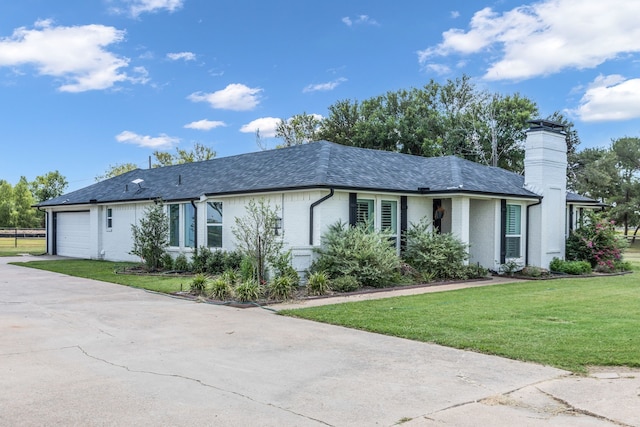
81,352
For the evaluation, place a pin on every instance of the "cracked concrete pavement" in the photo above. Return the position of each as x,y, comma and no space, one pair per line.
80,352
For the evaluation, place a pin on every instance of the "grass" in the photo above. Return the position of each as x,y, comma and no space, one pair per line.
106,272
567,323
30,246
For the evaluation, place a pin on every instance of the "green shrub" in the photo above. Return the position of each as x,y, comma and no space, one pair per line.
570,267
221,289
437,256
247,271
345,284
358,252
167,261
151,236
532,271
182,263
597,242
200,259
230,276
281,288
281,265
473,271
247,291
198,284
318,284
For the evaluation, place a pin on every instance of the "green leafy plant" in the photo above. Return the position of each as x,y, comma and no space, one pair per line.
167,261
151,236
281,264
230,276
248,291
570,267
345,284
221,289
182,263
198,284
597,242
318,284
200,259
281,288
359,252
510,267
438,256
533,271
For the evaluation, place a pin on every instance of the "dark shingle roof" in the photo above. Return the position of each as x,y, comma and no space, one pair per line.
318,165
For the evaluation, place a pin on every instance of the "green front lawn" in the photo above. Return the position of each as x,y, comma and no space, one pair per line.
106,271
566,323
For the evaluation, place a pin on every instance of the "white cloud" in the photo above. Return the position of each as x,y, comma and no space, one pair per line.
545,37
266,126
77,55
324,86
610,98
187,56
137,7
440,69
359,20
205,124
455,14
161,141
236,97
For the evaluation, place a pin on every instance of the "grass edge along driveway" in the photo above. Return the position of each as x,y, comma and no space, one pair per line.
566,323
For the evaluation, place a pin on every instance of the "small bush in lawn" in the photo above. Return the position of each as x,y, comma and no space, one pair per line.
247,291
221,289
182,263
198,284
281,288
345,284
318,284
167,261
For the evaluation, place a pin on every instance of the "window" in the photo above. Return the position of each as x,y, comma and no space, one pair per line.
174,225
214,224
189,225
513,233
109,218
364,213
389,218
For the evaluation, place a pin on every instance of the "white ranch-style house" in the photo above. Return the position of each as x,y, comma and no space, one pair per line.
501,215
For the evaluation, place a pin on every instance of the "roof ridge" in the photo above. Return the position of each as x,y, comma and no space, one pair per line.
324,158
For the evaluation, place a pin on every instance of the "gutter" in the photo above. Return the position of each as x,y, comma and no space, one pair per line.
526,248
313,205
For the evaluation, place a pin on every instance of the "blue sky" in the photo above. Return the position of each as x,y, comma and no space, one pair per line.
86,84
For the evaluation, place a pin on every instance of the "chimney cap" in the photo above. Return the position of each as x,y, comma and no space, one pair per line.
548,125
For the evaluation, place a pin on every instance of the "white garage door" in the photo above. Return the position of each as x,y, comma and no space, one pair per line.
72,234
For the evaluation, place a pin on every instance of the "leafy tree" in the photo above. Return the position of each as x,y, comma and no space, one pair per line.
257,237
199,153
595,173
6,204
299,129
151,236
627,154
48,186
24,215
454,118
117,169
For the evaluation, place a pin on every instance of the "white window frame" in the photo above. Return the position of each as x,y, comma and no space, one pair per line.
109,218
213,224
182,223
513,231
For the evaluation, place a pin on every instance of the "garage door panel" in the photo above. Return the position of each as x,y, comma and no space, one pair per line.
72,234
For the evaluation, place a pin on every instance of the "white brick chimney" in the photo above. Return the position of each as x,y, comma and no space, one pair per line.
545,173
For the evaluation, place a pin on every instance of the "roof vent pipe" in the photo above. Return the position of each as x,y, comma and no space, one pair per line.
179,179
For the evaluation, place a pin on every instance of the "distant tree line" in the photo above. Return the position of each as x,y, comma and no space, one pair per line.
16,202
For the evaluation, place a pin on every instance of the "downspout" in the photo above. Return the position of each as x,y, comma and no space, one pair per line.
313,205
195,220
526,248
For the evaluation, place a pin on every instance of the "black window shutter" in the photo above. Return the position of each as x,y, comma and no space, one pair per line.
353,209
503,231
403,222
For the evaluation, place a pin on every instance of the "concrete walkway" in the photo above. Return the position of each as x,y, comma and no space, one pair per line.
80,352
